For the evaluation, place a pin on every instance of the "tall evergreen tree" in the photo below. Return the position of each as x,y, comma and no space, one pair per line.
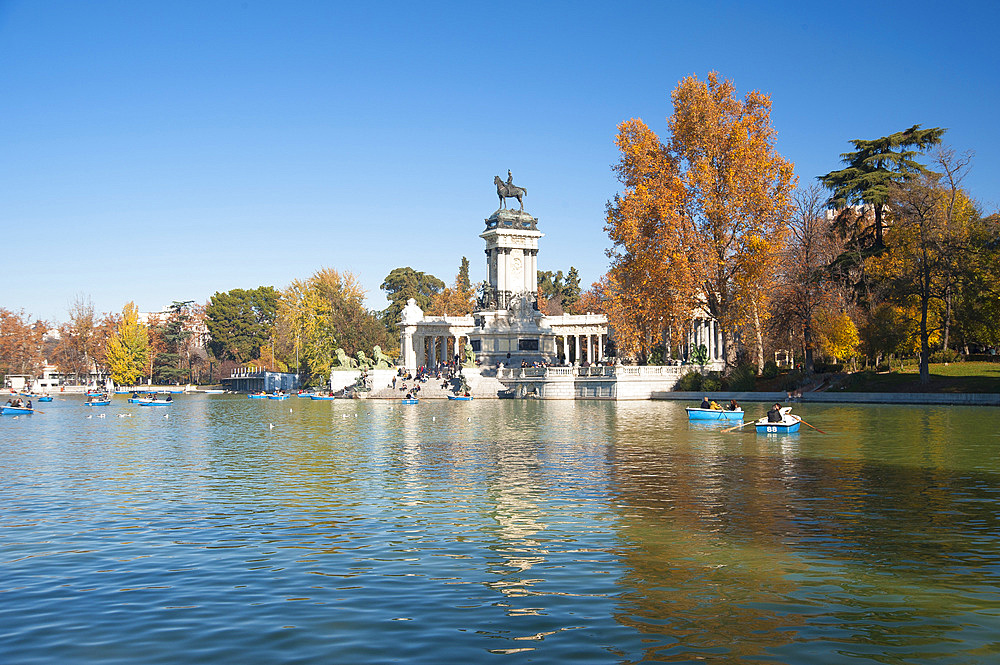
872,169
402,284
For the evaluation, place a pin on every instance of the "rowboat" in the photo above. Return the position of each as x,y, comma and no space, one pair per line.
139,400
460,398
306,395
713,414
16,411
98,402
124,392
174,392
412,400
278,396
322,397
215,391
257,396
45,398
156,402
789,423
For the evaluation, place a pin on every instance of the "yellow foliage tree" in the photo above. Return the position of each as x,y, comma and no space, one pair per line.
837,335
128,349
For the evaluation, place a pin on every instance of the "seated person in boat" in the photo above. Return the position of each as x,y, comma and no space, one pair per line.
170,398
774,414
732,406
715,406
705,404
29,404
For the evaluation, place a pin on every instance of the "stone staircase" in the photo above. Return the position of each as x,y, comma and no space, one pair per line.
482,387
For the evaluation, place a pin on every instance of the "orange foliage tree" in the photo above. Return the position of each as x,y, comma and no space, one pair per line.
652,283
699,222
738,191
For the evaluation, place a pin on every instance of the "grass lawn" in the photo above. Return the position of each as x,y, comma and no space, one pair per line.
969,377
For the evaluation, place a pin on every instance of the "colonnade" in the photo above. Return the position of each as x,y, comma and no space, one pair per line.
582,346
706,331
433,350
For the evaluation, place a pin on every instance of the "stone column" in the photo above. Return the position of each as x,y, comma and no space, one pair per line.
409,355
505,257
576,338
600,347
590,348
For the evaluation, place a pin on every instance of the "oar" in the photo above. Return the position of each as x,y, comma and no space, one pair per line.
730,429
815,428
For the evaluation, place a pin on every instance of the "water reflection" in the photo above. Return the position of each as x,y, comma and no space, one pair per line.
579,531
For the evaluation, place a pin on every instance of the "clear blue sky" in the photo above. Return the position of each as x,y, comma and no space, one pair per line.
165,151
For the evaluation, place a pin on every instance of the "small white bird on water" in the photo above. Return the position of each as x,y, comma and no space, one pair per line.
166,415
270,426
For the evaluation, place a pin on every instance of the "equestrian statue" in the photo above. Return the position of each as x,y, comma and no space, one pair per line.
508,190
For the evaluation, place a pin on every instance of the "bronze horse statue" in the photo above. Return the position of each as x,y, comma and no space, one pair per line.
505,190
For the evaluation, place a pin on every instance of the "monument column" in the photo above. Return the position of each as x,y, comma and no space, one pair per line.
577,340
600,347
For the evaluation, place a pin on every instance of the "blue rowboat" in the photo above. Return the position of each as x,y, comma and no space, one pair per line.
261,396
789,424
98,402
124,392
45,398
139,400
306,395
156,402
713,414
460,398
16,411
322,397
411,401
278,396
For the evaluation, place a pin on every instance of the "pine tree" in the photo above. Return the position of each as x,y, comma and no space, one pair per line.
873,168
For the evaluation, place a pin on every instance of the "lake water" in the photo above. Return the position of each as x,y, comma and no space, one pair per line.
524,531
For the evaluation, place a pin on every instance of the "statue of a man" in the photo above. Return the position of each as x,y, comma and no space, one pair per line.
510,180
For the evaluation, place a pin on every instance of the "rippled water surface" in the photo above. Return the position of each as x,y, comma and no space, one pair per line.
584,532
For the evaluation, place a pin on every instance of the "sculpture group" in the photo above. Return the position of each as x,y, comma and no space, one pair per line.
379,361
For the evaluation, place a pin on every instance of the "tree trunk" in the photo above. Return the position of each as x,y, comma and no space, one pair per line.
759,335
925,352
807,337
878,226
947,318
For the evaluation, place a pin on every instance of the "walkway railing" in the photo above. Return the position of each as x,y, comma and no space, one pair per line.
636,371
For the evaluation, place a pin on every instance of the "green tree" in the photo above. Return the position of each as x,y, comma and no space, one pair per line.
240,321
872,169
402,284
174,333
128,348
463,282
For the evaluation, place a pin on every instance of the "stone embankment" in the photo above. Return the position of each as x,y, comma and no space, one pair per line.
838,397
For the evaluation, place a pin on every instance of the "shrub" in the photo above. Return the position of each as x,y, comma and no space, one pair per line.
711,383
770,370
882,367
743,379
792,380
690,382
946,356
824,368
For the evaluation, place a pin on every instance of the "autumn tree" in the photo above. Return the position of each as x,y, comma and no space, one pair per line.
871,171
21,343
652,284
736,192
75,351
928,237
456,300
128,349
323,313
805,289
